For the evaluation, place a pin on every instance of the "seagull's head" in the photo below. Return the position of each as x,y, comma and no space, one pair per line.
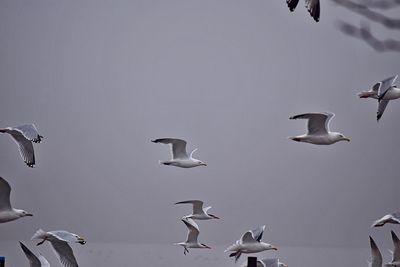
341,137
80,240
23,213
269,246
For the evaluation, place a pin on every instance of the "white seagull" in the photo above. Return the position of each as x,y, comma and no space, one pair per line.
59,241
250,242
311,5
383,91
24,135
388,218
199,213
396,252
33,260
7,213
180,157
271,262
191,240
318,129
376,256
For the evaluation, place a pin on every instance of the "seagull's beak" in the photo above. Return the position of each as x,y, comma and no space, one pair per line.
274,248
347,139
29,214
81,241
215,217
204,164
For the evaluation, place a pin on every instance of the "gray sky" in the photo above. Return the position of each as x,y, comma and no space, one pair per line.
100,79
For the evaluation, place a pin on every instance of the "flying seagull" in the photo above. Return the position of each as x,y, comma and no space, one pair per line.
318,129
250,242
7,213
383,91
271,262
311,5
33,260
180,157
396,252
388,218
59,241
24,135
376,256
199,213
191,240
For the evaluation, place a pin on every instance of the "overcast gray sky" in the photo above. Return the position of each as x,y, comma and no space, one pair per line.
100,79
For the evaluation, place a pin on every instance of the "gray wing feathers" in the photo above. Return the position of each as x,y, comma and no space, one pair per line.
258,233
313,8
178,146
381,108
318,123
386,85
248,238
396,244
376,256
64,253
5,190
197,205
30,132
25,147
33,260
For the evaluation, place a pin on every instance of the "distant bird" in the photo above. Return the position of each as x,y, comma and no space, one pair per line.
179,154
318,129
393,218
311,5
250,242
376,256
271,262
33,260
396,251
59,241
191,240
199,213
383,91
7,213
24,135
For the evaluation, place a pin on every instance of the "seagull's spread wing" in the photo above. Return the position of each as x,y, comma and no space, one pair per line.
381,108
258,233
396,244
376,256
193,232
248,238
178,147
29,131
33,260
386,85
66,236
197,205
25,146
5,190
318,123
44,261
314,9
64,253
292,4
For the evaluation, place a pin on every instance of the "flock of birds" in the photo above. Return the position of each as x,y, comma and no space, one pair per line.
250,242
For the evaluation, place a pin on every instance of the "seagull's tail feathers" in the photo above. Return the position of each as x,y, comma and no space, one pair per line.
39,234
